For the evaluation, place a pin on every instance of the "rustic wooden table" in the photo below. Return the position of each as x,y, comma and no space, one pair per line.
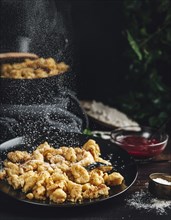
116,208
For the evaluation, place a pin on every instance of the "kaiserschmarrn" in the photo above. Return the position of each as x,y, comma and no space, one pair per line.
31,69
60,174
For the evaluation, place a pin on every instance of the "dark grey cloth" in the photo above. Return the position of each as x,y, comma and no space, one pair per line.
65,114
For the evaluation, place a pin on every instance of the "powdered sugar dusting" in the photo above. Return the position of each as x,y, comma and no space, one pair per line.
144,200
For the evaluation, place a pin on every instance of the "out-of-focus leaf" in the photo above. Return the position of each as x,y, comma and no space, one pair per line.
164,5
153,121
87,131
159,86
163,116
143,31
168,35
134,45
158,120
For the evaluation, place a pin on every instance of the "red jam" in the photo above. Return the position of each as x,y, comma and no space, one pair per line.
140,147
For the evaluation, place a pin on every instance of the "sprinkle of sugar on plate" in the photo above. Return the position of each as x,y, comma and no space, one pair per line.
143,200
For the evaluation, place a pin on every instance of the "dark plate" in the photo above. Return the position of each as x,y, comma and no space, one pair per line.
120,159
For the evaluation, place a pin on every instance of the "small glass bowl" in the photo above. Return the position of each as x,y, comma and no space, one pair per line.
139,141
160,185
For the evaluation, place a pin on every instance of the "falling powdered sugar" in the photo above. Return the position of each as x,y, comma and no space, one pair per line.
143,200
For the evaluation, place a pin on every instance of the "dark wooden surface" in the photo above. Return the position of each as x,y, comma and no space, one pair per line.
115,208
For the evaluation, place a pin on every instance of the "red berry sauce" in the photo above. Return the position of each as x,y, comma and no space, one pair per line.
140,147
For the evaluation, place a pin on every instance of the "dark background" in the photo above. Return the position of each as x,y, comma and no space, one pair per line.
94,43
98,32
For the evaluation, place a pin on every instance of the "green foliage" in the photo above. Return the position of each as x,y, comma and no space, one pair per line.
87,131
148,33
